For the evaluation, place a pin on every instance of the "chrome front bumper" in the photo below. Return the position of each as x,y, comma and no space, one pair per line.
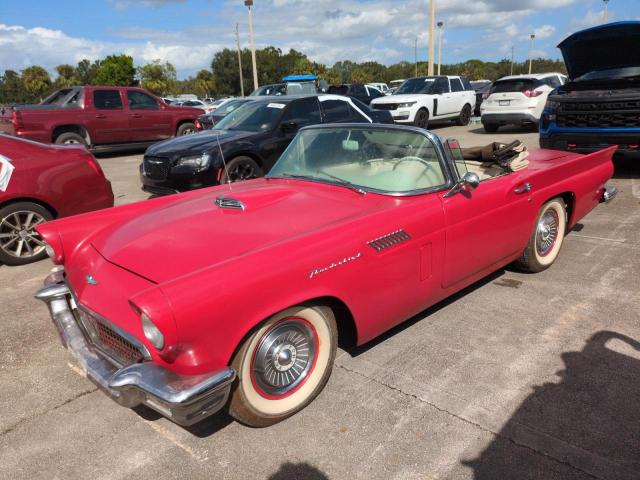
184,399
608,194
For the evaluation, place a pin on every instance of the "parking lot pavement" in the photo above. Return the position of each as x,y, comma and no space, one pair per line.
519,376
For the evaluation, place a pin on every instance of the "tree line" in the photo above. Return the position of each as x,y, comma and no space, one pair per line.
34,83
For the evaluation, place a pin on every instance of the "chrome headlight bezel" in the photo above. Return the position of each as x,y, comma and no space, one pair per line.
198,162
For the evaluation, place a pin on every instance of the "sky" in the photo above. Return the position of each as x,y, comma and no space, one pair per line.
187,33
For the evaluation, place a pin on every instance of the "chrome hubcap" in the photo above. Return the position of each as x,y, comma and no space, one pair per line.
17,236
284,357
547,232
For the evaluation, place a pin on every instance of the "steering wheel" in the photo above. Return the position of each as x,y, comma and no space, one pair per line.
412,159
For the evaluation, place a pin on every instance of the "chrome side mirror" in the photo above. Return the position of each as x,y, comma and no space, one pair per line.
469,179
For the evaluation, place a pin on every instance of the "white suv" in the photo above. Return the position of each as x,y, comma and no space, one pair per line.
422,99
518,99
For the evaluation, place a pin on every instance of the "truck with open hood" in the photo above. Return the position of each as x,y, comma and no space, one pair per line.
600,105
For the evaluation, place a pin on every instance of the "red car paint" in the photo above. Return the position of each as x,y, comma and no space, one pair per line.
101,127
66,180
207,276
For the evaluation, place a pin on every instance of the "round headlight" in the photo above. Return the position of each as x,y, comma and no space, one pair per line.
153,334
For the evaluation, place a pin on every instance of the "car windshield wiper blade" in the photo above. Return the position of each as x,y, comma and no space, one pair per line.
344,182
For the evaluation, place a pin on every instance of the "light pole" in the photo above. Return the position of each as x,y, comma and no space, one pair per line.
249,4
432,17
415,55
606,11
512,51
239,61
533,36
440,24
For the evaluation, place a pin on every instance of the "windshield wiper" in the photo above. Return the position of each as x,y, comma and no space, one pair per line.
344,182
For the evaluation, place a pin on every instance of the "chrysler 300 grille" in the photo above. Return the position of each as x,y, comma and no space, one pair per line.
156,168
620,114
106,339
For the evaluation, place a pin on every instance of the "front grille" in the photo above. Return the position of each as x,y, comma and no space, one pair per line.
385,106
617,114
156,168
106,339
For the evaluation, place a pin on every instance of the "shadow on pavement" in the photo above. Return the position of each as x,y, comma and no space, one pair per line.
298,471
587,425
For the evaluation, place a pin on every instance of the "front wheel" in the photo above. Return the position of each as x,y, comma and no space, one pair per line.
546,240
19,242
465,116
240,168
70,138
422,119
283,365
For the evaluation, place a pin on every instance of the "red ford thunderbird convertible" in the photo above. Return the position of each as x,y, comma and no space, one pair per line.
237,295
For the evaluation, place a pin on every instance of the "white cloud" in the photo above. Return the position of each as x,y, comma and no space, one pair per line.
326,30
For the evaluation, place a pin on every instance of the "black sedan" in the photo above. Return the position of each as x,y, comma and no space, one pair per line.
244,144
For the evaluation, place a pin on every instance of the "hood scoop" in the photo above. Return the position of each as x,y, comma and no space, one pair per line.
230,203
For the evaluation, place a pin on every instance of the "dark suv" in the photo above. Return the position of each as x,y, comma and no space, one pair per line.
362,92
250,138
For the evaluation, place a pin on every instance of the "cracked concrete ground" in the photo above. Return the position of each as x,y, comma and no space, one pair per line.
517,377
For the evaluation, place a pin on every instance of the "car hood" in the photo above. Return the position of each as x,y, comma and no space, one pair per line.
196,143
194,233
600,48
409,97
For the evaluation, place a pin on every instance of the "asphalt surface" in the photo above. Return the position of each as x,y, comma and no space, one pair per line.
517,377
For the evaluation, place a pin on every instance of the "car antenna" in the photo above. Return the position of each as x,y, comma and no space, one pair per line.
224,163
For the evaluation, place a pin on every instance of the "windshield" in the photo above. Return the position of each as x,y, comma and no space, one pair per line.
300,88
253,117
385,160
610,74
416,85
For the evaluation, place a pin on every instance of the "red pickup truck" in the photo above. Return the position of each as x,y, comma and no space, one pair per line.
99,117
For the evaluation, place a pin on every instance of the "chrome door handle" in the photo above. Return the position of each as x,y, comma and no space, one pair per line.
101,115
523,189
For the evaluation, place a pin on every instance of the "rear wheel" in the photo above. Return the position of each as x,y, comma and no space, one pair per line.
186,129
283,365
546,240
465,115
490,127
241,168
70,138
19,242
422,119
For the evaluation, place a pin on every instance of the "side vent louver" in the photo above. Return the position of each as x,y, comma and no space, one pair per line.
389,240
230,203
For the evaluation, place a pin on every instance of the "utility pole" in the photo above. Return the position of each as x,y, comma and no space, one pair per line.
439,45
415,55
239,61
512,57
249,4
432,17
533,36
606,11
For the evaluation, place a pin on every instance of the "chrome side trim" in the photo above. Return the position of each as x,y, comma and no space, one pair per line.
230,203
608,194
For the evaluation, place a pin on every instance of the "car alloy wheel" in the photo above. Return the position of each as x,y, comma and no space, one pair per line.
283,365
17,235
422,119
242,171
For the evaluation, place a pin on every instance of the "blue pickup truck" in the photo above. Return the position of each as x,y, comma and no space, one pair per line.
600,105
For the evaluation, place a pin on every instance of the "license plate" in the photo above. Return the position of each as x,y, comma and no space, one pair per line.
504,103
